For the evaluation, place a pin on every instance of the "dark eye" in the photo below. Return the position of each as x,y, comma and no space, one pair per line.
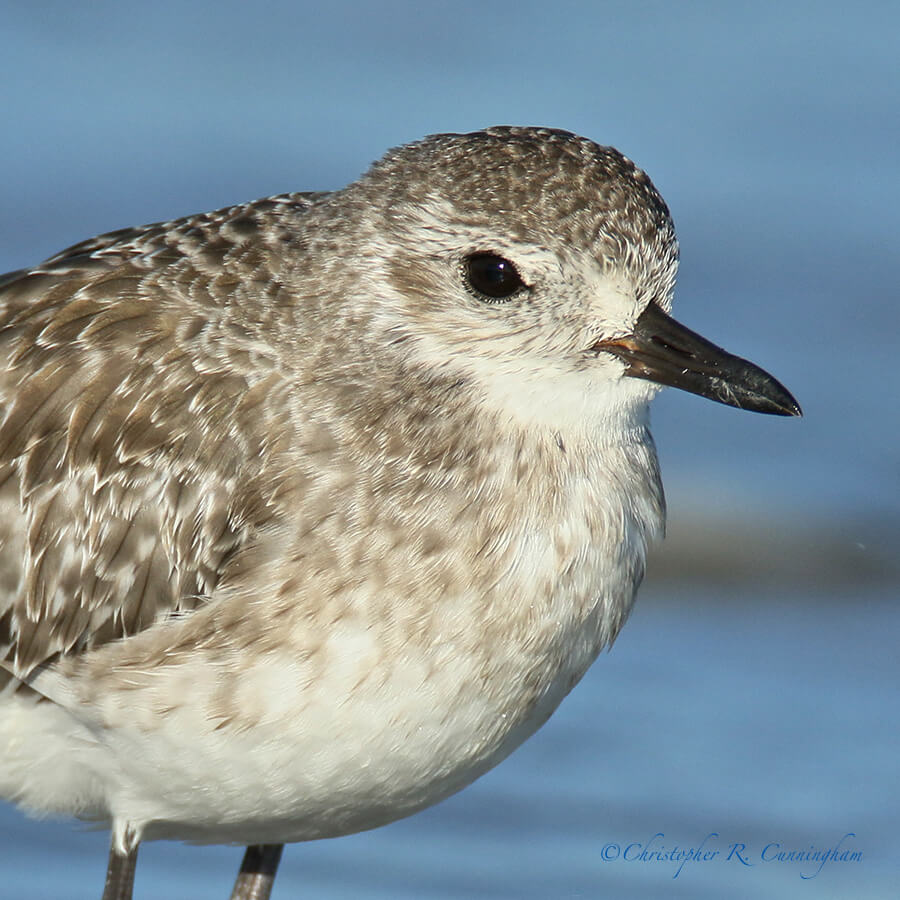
492,275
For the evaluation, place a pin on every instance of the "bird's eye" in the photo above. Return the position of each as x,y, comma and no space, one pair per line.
492,276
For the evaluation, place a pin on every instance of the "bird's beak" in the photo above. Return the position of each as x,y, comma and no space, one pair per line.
662,350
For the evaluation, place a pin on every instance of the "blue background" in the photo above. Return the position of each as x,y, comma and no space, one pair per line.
754,693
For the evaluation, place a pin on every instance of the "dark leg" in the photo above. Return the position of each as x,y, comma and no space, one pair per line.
120,874
254,881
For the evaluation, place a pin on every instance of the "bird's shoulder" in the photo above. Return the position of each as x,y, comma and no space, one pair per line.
141,430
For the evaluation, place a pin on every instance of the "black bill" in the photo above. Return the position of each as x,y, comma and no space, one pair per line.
662,350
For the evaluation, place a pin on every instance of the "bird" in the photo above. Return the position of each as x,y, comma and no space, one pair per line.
314,508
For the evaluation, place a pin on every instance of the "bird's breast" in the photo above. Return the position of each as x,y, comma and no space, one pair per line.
366,675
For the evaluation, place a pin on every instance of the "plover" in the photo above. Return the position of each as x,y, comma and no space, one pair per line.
314,508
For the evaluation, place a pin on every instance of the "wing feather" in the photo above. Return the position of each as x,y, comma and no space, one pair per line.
137,447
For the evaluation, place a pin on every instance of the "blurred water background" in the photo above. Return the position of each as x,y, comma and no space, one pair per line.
753,697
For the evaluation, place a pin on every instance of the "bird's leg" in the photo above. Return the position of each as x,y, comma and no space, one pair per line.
120,873
254,881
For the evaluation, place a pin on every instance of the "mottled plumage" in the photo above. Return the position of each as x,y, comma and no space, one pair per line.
299,531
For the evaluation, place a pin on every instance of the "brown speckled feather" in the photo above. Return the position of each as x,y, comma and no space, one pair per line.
117,357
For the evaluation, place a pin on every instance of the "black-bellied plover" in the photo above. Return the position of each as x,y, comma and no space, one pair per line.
313,509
